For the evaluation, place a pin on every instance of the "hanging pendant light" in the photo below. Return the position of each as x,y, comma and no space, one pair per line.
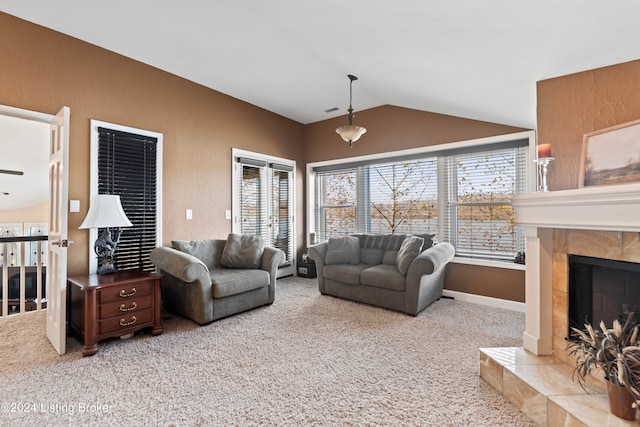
351,133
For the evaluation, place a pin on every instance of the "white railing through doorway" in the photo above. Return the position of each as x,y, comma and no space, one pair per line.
22,274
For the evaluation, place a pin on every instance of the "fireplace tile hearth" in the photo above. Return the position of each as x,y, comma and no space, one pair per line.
542,388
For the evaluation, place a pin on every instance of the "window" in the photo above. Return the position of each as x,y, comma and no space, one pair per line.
127,162
461,192
263,202
481,218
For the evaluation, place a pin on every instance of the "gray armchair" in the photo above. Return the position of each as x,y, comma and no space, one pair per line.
206,280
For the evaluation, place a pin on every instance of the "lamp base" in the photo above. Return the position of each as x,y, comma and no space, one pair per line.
106,265
105,247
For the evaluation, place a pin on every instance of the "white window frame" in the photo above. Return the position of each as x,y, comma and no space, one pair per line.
473,143
93,180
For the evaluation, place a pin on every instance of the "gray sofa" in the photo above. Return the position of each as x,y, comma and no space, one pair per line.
206,280
398,272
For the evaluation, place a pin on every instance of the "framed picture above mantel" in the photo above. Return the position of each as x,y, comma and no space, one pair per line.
611,156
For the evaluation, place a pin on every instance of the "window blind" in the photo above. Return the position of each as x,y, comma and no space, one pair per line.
481,220
281,218
253,204
462,195
127,167
336,202
264,202
400,198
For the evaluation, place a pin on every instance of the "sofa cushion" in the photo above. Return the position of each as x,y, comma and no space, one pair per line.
383,276
371,256
389,258
386,242
344,273
227,282
409,250
242,251
343,250
204,250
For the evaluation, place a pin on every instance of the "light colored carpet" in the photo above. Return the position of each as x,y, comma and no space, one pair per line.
306,360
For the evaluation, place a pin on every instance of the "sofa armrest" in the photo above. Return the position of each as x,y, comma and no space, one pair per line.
271,260
317,254
425,277
180,265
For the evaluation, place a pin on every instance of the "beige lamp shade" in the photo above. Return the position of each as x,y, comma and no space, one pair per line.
105,211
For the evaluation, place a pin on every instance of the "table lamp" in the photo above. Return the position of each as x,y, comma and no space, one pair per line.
106,212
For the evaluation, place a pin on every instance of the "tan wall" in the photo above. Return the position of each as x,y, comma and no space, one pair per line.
570,106
43,70
488,281
38,213
391,128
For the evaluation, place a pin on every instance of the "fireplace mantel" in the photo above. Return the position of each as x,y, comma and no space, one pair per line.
610,208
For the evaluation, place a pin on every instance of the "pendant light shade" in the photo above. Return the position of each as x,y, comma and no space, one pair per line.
350,133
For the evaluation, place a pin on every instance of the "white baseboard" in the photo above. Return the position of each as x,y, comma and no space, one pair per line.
480,299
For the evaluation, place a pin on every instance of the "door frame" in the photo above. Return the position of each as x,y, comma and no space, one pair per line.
235,224
60,320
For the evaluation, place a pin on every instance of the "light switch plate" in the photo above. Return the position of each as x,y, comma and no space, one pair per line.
74,205
227,214
189,214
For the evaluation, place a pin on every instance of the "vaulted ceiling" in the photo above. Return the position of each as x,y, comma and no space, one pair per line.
478,59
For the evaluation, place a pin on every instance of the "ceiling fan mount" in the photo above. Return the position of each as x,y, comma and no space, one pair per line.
10,172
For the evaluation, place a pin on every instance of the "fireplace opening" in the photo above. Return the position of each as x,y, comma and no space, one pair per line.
602,289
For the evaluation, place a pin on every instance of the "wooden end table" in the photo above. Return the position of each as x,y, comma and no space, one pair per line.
113,305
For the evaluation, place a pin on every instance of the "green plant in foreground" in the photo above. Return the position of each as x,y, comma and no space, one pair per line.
615,351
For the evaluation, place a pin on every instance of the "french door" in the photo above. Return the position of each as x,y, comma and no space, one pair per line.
264,202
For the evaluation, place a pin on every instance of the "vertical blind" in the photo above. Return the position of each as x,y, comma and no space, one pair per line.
127,167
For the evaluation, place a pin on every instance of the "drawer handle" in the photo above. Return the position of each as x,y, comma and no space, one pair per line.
125,323
124,293
132,307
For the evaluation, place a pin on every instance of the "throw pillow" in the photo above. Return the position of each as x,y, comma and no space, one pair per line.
204,250
343,250
409,250
242,251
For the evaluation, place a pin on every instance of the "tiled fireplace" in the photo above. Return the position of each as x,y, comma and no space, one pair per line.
598,222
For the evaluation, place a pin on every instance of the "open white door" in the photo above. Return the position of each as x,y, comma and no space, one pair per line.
57,247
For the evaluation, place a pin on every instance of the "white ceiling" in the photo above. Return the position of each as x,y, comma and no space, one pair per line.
25,148
478,59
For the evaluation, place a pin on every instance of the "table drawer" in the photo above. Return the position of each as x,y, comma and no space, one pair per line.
125,306
126,292
124,322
